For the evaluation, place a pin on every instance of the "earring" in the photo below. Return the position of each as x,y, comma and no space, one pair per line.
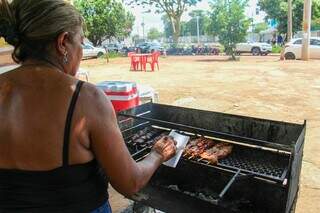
65,57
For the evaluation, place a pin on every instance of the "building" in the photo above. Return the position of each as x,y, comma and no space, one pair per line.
253,11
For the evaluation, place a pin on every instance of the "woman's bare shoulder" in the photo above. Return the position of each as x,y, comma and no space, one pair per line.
95,99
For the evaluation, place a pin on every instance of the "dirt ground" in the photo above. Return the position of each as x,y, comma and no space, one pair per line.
262,87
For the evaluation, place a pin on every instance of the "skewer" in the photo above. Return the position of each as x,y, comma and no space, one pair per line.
190,157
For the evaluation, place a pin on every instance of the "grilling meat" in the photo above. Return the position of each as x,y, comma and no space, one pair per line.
207,149
210,155
197,146
219,151
146,136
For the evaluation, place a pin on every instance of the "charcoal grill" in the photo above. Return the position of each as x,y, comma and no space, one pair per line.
260,175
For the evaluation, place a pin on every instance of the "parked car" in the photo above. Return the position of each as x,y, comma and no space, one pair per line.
256,48
292,50
113,47
148,47
154,46
89,51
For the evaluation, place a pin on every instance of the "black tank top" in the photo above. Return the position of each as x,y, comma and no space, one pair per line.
69,188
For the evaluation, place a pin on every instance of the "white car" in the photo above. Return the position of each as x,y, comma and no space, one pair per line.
90,51
292,50
256,48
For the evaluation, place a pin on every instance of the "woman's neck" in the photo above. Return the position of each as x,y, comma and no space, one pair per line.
43,62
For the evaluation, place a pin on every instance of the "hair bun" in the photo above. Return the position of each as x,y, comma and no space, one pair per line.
9,33
7,23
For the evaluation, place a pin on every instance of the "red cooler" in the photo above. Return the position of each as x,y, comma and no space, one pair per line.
123,95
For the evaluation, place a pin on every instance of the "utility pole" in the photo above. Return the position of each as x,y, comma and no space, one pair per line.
306,30
289,30
142,24
198,31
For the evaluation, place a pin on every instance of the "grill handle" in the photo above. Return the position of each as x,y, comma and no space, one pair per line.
227,187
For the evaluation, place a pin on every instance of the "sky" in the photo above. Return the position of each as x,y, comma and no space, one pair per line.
154,20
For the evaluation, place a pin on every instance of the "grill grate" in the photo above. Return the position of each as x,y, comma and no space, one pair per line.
262,163
141,141
258,162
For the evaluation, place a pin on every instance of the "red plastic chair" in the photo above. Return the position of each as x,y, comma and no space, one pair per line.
134,61
154,60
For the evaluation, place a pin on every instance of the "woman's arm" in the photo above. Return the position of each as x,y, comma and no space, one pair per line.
125,175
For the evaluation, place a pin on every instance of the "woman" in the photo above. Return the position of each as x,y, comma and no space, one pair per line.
55,130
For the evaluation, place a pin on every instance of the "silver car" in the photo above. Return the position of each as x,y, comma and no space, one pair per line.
90,51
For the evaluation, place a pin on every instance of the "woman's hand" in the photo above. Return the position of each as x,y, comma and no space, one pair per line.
165,147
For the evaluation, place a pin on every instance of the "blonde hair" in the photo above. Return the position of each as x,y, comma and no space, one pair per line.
31,25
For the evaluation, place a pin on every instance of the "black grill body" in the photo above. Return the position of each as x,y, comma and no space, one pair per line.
260,175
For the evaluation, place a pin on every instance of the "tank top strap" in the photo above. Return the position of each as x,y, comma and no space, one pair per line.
67,129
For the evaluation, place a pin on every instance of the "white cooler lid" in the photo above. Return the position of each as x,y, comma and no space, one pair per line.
116,86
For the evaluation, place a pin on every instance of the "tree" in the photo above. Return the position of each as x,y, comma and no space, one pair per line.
172,8
184,29
278,9
315,25
259,27
229,23
154,34
105,19
188,28
168,32
203,22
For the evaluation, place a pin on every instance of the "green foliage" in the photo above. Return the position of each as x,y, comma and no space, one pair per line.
276,49
105,19
2,42
188,28
315,25
110,55
203,22
173,9
259,27
278,9
229,23
168,31
184,31
154,34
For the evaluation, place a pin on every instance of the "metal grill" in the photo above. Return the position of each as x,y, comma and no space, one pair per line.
140,141
262,163
260,175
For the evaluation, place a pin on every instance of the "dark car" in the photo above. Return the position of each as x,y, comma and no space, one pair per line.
148,47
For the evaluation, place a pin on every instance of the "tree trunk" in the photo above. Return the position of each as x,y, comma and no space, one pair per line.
175,22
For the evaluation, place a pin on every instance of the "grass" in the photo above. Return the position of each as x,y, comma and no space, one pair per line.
112,55
276,49
2,42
